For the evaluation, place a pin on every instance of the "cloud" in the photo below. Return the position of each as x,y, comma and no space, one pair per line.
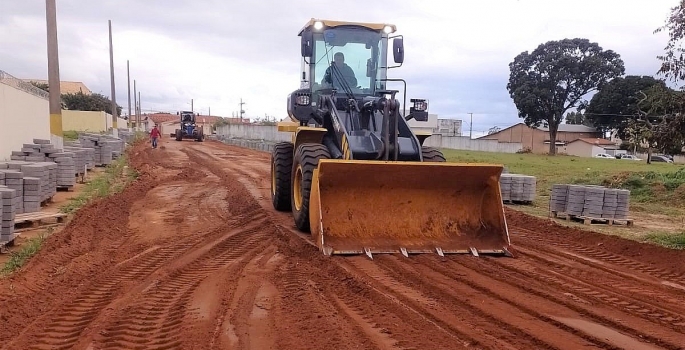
217,52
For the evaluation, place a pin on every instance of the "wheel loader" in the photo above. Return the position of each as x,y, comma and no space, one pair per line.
189,128
356,176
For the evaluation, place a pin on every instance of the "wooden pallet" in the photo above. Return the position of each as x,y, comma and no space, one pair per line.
587,220
39,218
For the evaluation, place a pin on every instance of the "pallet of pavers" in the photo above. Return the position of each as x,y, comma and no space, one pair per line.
590,204
8,213
517,188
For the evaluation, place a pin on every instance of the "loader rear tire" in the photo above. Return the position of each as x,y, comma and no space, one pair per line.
306,159
281,170
431,154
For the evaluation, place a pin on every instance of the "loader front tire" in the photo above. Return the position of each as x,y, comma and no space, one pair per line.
431,154
306,159
281,170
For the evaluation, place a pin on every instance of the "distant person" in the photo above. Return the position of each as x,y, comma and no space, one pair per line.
154,135
342,69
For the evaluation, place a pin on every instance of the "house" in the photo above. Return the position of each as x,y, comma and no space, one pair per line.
66,87
448,127
537,139
588,147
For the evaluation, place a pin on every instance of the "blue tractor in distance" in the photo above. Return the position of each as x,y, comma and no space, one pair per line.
189,129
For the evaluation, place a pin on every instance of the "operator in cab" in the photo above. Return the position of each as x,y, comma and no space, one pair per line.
333,78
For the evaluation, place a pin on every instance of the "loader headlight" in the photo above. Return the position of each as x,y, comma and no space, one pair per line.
302,100
318,25
388,29
420,105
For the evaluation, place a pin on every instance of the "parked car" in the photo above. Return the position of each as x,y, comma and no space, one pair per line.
661,159
629,157
603,155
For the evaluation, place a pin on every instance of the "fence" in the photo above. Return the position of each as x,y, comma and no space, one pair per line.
270,133
19,84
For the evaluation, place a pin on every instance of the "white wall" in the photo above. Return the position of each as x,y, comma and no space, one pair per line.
270,133
24,115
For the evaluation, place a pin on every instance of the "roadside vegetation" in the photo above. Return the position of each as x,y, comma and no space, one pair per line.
657,190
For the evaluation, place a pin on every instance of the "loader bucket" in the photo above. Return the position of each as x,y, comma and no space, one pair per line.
408,207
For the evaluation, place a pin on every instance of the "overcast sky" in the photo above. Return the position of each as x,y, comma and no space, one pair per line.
215,52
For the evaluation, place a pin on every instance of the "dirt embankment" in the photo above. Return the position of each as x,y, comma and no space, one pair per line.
192,256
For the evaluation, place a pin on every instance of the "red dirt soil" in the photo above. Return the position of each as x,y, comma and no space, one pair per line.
193,256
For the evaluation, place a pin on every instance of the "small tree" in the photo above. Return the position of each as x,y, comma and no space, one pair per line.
554,78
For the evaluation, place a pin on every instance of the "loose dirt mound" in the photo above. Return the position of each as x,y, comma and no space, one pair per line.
193,256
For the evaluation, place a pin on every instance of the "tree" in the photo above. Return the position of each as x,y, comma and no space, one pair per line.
673,61
494,129
578,118
554,78
616,103
94,102
43,86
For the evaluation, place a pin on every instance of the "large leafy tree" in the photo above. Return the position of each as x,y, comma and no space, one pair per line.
555,77
93,102
616,103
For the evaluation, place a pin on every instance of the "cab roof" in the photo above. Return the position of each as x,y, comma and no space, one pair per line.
333,23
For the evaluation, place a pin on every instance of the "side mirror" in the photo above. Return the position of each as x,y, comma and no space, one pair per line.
398,50
307,44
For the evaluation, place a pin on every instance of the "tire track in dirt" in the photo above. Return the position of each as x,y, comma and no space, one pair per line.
161,308
599,257
662,308
522,281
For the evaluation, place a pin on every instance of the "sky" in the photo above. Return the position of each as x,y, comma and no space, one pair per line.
216,52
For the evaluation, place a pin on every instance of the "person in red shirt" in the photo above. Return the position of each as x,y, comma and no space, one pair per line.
154,135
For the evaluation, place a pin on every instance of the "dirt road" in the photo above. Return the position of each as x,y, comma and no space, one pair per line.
192,256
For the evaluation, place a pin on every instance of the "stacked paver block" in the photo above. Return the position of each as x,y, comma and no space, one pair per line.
622,204
575,200
80,156
559,198
14,180
7,213
42,173
33,193
66,169
505,187
596,202
517,187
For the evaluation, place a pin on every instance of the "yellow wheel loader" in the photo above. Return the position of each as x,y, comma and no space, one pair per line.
356,176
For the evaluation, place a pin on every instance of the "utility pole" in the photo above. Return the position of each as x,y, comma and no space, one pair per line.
115,132
55,95
192,109
241,109
135,104
471,127
140,110
128,79
209,111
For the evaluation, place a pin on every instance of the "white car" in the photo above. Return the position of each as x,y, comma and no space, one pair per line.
603,155
630,157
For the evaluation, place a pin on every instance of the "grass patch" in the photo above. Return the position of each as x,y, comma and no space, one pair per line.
70,135
116,177
669,240
28,249
657,188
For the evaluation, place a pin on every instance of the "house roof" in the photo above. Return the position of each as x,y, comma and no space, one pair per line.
598,142
66,87
562,128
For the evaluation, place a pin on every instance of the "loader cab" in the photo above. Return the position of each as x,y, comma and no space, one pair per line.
332,51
